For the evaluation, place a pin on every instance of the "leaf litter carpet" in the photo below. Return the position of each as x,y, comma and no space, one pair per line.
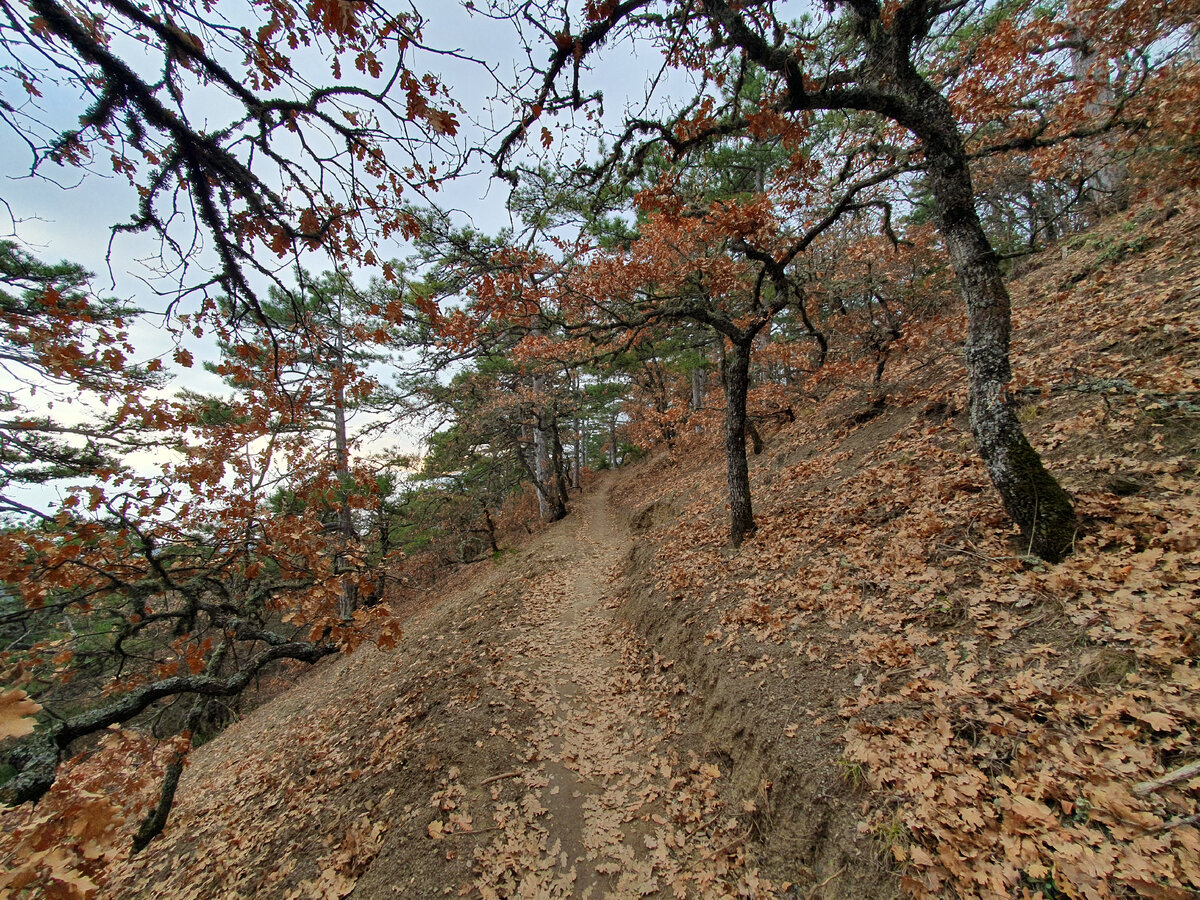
973,722
520,743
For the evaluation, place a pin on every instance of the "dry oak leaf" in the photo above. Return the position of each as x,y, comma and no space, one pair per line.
330,885
16,710
60,878
1156,891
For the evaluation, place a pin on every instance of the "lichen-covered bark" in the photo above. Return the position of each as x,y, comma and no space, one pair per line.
737,383
1031,495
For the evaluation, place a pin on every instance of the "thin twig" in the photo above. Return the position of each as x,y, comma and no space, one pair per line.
739,840
500,777
812,891
1191,770
704,826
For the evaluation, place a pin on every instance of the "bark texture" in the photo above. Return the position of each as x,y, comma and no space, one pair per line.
577,468
887,83
549,491
737,384
1033,498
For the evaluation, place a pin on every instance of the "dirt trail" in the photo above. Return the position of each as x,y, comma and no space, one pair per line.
519,743
612,808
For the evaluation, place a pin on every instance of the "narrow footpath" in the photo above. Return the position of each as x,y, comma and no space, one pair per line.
518,743
614,809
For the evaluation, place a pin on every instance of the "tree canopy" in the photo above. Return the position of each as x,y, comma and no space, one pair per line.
824,179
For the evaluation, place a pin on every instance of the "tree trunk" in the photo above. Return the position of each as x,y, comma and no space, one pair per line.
579,451
491,530
156,820
756,441
737,385
383,525
154,823
541,453
1035,221
560,465
1036,502
612,442
1105,174
699,388
550,503
887,83
547,455
348,602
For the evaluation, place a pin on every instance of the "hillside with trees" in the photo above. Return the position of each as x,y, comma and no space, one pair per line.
805,490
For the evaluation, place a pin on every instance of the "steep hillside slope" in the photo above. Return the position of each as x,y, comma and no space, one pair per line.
879,695
895,685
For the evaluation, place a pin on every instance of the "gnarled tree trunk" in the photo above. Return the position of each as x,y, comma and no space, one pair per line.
1031,495
887,83
737,385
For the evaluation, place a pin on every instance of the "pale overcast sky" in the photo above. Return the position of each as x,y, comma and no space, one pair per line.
67,213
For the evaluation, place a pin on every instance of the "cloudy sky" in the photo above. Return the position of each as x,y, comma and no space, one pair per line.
67,213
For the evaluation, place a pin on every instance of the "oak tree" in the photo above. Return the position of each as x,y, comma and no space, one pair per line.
258,132
910,78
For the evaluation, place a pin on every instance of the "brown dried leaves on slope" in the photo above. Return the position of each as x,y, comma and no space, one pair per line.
1001,712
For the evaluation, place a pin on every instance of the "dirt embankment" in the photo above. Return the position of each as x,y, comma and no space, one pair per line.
911,702
767,715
